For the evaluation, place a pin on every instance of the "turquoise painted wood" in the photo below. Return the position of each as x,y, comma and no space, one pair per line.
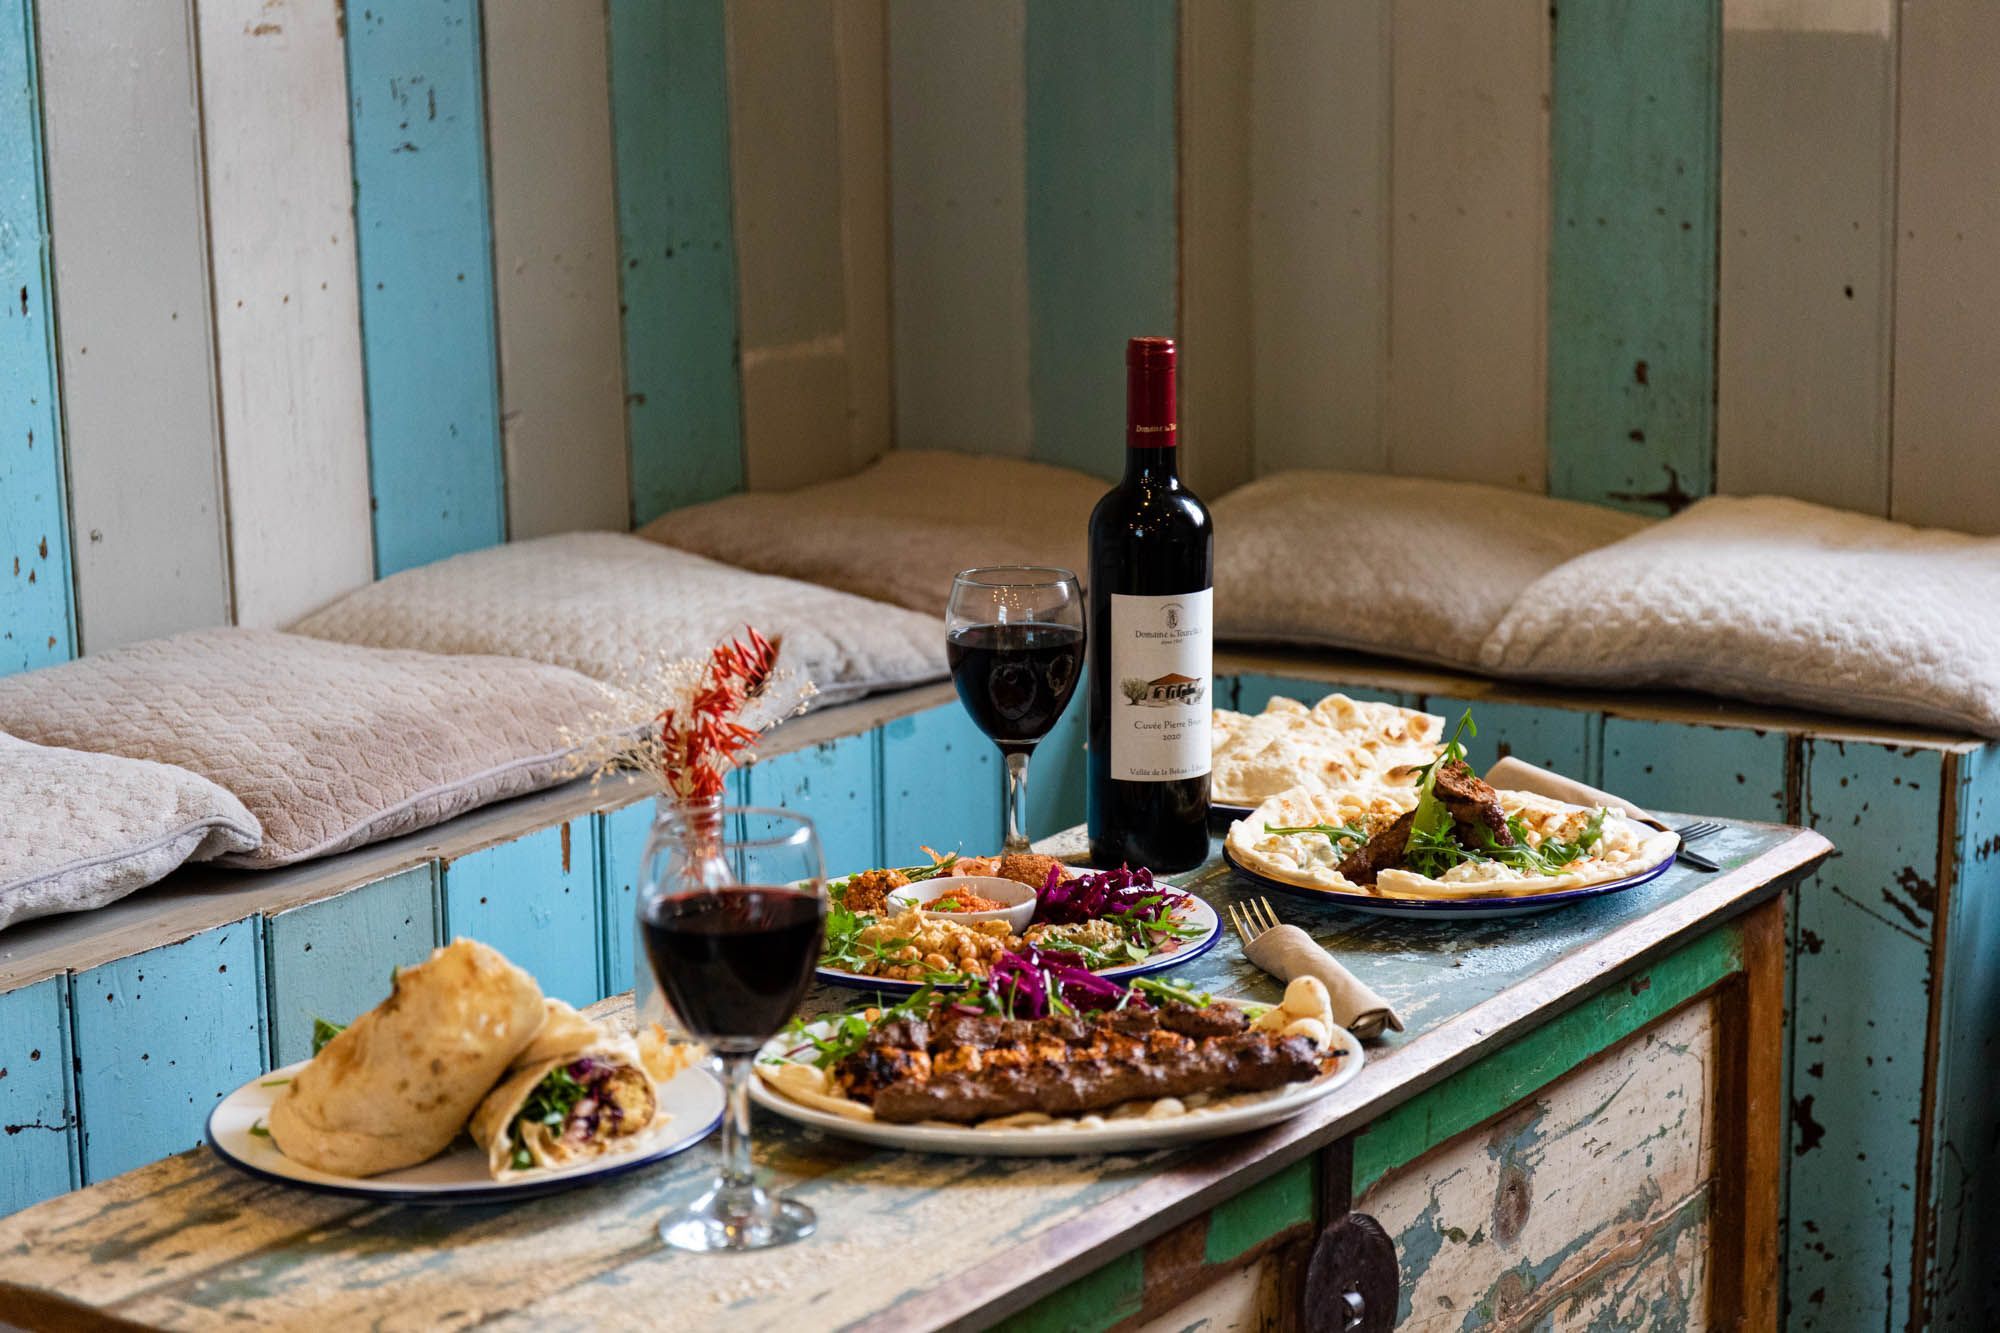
1634,148
1059,773
37,615
1861,1008
160,1038
37,1111
424,239
677,252
1959,1284
622,835
1735,771
1562,740
1102,186
835,785
536,900
940,786
333,959
1254,690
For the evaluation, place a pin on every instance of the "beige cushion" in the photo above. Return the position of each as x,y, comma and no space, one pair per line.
329,746
83,830
617,608
1404,566
1780,601
900,529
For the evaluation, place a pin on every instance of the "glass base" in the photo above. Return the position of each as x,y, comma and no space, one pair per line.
737,1217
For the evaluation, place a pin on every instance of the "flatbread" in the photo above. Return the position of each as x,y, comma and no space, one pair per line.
396,1087
1310,860
1335,743
565,1037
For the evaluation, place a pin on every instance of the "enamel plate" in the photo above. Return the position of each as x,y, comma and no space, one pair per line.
1087,1134
1199,915
457,1175
1437,909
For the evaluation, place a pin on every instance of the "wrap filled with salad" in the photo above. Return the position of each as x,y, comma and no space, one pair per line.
580,1090
395,1086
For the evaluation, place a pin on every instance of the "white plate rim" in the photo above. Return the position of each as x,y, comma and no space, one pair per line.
228,1124
1058,1141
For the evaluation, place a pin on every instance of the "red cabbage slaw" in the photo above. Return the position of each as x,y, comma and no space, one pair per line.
1123,892
1036,982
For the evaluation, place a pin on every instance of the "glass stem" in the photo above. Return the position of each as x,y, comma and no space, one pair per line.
1017,801
736,1171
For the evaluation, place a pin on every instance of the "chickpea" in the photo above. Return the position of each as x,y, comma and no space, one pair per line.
937,962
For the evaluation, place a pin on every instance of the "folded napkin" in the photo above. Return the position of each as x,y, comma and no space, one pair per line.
1512,774
1287,952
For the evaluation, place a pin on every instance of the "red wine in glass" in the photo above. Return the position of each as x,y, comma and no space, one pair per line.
734,962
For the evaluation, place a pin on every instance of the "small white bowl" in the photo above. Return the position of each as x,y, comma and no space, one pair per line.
1020,899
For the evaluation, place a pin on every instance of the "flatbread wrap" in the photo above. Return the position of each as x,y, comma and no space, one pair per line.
580,1091
395,1087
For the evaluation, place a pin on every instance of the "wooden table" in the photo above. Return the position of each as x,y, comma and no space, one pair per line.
1582,1118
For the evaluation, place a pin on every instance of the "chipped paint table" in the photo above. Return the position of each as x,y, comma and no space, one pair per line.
1580,1123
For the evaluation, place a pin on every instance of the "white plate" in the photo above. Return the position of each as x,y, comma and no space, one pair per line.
1198,915
458,1175
1092,1134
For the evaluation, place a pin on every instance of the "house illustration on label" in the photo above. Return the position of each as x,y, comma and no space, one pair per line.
1168,691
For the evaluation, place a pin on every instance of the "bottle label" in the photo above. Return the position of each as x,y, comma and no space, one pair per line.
1162,669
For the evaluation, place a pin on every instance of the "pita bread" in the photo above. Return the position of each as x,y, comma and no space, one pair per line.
1336,742
566,1039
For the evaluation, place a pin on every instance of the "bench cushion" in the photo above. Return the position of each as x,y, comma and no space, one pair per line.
1403,566
1780,601
617,608
329,746
84,830
898,530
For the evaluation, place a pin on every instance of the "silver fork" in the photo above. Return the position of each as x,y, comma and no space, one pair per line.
1252,918
1700,828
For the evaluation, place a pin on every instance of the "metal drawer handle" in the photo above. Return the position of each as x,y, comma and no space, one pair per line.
1351,1279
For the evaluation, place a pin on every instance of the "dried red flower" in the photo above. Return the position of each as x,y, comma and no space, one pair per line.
698,750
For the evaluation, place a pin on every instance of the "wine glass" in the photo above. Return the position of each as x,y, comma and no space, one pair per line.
731,911
1014,638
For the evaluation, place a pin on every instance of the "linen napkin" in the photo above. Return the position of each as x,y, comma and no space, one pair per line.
1512,774
1287,952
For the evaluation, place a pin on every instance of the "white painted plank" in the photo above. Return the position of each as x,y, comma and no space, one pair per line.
1947,399
133,320
1319,232
1468,382
555,255
861,57
958,205
287,322
785,170
1215,317
1808,239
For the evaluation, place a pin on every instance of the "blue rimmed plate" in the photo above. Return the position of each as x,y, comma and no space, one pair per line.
1461,909
1198,915
693,1098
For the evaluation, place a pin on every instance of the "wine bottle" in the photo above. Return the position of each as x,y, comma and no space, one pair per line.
1152,567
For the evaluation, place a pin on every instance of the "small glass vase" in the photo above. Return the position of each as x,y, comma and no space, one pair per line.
686,842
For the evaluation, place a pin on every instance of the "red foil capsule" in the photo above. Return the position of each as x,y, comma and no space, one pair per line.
1150,421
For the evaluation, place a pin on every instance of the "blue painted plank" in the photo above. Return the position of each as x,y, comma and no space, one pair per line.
1102,189
940,786
677,251
424,243
1860,1010
1633,147
161,1037
1961,1283
333,958
37,1113
1059,773
835,784
623,833
1734,771
534,899
1559,739
1254,690
37,615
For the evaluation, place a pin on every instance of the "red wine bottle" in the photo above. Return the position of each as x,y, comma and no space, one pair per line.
1152,567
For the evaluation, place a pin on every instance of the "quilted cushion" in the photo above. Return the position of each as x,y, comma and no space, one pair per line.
900,529
1403,566
1776,600
617,608
329,746
84,830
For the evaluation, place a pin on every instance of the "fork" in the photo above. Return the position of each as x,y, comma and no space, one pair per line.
1700,828
1252,919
